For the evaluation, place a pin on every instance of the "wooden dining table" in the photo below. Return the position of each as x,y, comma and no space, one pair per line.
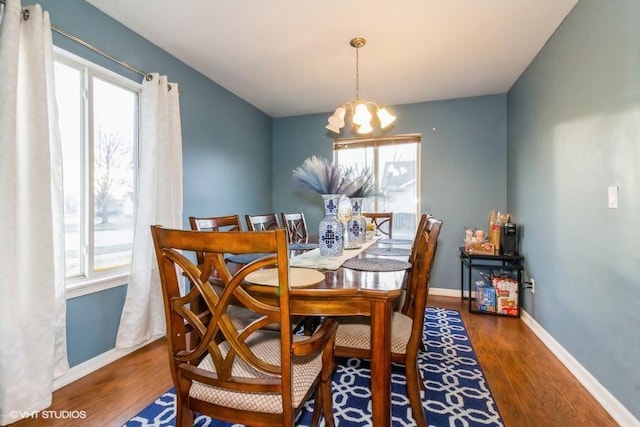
347,292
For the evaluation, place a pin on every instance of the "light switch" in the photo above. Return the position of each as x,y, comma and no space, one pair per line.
613,197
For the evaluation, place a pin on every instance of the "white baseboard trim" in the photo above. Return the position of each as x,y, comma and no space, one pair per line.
444,292
612,405
92,365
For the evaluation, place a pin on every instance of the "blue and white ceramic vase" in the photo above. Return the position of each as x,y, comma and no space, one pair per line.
331,232
356,225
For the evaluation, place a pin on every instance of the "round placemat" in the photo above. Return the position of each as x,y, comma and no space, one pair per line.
300,277
302,246
395,241
389,251
245,258
376,264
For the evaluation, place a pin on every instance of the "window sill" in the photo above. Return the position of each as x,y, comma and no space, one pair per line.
86,287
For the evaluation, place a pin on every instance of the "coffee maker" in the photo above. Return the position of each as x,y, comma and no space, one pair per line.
509,239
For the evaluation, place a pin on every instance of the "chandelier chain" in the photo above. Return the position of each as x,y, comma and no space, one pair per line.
357,74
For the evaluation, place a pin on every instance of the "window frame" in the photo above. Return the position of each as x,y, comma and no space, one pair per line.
90,282
382,141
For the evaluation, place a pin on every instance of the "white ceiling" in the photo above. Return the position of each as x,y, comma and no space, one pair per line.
291,57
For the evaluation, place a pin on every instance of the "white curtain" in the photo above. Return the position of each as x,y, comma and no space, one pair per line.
32,285
159,202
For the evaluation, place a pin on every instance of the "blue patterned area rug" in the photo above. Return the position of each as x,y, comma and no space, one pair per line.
456,394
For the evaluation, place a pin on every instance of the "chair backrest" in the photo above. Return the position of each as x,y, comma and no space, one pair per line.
214,223
422,227
296,226
382,221
262,222
216,335
425,247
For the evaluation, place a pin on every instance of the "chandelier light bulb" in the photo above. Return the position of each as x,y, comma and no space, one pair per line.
362,115
332,127
385,117
339,115
365,128
336,121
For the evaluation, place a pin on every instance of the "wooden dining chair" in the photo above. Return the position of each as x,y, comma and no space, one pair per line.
382,221
296,226
248,375
432,230
353,338
262,222
297,232
240,315
232,223
421,228
214,223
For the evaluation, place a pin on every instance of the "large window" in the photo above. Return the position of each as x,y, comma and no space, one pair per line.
395,162
98,117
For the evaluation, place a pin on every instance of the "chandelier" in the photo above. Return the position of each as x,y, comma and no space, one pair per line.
359,109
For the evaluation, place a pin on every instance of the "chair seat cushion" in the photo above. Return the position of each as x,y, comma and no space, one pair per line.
355,332
242,317
266,345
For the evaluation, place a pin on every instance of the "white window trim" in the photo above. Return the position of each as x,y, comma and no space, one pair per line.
61,54
79,286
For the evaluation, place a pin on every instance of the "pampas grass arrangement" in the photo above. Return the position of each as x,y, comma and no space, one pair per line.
362,183
323,177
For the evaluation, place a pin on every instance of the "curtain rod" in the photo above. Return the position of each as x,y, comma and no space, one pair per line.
95,49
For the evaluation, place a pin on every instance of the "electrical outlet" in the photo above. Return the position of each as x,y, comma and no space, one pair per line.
533,285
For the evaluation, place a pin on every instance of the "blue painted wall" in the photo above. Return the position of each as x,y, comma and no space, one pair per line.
92,323
463,159
574,130
226,150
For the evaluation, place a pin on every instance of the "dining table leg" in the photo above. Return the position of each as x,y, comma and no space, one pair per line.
381,312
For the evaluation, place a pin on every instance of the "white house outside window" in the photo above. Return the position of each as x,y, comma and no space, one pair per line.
395,162
98,113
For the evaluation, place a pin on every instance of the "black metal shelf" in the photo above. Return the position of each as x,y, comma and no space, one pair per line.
509,264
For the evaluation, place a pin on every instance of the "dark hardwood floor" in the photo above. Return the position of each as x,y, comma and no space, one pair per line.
530,386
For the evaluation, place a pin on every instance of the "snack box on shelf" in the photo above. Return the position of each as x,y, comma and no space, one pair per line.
485,297
506,295
480,248
508,306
